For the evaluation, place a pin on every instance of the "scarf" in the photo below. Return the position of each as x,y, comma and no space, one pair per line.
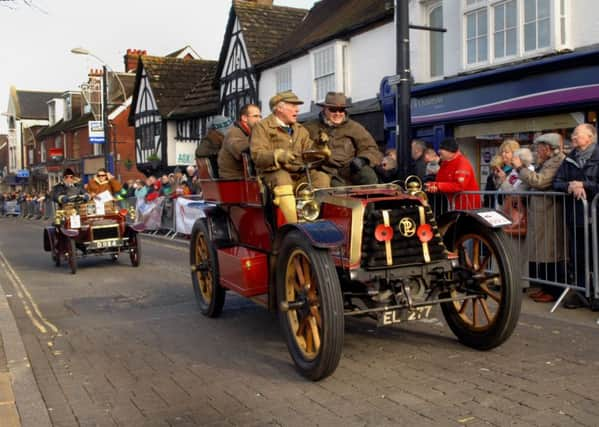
582,156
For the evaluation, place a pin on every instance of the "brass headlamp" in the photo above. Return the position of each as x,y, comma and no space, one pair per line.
307,208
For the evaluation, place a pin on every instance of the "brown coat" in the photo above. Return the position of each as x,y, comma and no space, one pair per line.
230,164
96,187
268,135
545,231
348,140
210,144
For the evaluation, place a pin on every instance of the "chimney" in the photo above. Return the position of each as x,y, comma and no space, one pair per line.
131,58
261,2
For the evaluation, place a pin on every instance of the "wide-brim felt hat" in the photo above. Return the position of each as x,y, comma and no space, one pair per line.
334,99
286,96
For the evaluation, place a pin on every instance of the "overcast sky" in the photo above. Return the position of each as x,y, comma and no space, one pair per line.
35,43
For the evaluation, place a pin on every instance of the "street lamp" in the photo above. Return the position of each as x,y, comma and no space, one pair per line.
105,67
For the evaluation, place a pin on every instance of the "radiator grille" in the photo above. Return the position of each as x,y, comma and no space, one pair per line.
110,232
405,250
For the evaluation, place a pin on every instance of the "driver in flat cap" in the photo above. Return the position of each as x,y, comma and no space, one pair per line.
276,146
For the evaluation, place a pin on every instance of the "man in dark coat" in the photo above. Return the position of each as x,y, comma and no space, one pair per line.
210,145
67,190
237,142
354,152
418,166
578,176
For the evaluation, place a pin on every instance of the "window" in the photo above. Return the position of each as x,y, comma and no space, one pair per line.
537,28
43,152
436,42
324,72
68,107
505,29
562,22
476,36
51,113
283,78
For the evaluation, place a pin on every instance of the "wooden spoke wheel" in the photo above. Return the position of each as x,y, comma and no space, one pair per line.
310,306
489,319
134,250
209,294
72,255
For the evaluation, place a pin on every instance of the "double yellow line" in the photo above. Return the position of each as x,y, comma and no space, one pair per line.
29,305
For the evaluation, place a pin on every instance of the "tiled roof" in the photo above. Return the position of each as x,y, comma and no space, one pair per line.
116,93
32,104
172,78
62,126
203,98
263,26
328,20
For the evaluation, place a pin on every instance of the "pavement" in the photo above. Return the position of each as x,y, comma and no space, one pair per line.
155,370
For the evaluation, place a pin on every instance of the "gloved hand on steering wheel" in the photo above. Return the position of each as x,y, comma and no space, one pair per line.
357,164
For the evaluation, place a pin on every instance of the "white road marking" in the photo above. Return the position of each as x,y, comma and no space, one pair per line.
40,322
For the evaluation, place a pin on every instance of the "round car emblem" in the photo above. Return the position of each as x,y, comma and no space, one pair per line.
407,227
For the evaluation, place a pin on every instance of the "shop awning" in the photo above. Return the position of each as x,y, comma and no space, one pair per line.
531,124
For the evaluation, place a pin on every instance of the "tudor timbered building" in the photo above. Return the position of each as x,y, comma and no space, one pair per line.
173,99
254,29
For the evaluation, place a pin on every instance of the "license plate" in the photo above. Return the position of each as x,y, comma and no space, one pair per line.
398,315
107,243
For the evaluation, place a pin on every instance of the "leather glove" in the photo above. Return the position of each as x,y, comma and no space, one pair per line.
283,157
357,164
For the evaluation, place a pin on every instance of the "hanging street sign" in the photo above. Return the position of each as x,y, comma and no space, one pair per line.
96,131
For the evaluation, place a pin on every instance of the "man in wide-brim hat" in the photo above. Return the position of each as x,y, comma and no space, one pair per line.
354,152
276,146
70,187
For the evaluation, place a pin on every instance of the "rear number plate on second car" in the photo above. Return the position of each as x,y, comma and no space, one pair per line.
390,317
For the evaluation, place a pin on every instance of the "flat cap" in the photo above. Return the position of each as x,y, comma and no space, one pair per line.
551,139
286,96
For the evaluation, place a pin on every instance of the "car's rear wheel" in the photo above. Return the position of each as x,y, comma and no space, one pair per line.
134,250
310,306
72,256
114,257
489,319
209,294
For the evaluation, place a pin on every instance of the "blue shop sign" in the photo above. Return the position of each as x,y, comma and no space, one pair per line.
23,173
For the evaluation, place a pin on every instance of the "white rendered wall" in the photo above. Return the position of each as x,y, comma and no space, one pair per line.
371,57
583,23
301,83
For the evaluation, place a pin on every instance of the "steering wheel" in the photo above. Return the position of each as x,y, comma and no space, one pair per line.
313,158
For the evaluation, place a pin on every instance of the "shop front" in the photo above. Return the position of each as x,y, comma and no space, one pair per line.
548,95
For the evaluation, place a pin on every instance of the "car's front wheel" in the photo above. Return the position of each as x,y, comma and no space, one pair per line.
310,306
489,313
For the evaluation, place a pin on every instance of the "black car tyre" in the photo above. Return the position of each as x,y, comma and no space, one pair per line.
310,306
485,322
72,256
209,294
134,250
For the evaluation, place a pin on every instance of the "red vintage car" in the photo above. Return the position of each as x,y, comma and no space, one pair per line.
82,229
374,251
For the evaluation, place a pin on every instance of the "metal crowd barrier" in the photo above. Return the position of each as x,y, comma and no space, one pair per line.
556,248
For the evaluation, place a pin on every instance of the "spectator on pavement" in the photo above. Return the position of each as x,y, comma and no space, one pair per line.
455,175
578,176
545,221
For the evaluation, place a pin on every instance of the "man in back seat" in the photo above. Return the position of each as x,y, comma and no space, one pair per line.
237,142
210,145
276,145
